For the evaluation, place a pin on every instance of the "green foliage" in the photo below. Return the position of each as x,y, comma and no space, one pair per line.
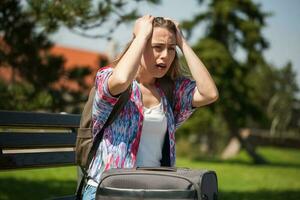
246,85
282,102
274,92
24,47
22,96
81,16
50,13
25,50
203,135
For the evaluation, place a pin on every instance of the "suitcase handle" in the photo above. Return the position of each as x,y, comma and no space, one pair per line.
167,169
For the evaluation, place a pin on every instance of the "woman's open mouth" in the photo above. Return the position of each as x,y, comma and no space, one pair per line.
161,65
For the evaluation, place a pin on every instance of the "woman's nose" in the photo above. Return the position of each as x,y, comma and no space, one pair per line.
164,53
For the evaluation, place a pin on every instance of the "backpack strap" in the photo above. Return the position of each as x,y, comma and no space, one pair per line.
123,99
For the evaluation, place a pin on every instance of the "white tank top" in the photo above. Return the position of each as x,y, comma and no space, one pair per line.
152,138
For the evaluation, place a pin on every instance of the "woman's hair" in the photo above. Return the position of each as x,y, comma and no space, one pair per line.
174,70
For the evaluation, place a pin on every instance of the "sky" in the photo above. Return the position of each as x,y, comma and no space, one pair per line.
282,31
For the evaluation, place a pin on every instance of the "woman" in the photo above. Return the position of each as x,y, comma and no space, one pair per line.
148,120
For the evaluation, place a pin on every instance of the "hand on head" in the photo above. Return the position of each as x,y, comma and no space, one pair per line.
179,35
143,26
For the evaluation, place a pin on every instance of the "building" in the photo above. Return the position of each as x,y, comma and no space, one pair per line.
79,57
73,58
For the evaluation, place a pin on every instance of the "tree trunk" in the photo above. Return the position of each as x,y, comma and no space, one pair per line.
232,149
250,149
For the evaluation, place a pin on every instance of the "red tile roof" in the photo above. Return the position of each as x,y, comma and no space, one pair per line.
73,58
78,57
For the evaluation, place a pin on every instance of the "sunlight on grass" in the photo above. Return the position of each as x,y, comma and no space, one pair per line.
38,183
58,173
240,179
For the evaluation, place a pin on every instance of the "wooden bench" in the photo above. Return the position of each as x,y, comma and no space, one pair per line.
32,140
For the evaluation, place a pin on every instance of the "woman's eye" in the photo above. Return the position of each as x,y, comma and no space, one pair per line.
157,48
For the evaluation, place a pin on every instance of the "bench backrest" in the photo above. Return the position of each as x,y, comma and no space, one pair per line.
29,140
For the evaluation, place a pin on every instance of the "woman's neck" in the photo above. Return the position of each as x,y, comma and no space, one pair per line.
144,78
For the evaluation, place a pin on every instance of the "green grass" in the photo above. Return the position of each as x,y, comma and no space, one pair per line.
238,178
38,183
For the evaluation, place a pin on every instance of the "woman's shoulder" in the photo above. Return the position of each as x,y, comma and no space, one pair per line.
182,79
104,70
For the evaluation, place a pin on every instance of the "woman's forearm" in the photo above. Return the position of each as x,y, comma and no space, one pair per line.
126,69
205,84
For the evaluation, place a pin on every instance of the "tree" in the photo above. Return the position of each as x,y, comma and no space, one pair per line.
24,48
84,16
235,26
282,102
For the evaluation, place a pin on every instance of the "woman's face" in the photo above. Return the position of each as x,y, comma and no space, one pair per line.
159,53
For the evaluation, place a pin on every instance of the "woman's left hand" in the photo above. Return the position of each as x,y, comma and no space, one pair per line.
179,36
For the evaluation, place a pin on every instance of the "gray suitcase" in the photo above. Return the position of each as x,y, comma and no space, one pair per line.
158,183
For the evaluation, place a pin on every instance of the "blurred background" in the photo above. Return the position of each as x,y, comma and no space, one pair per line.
50,51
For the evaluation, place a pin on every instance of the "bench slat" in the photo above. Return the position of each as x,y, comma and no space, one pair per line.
31,140
11,118
29,160
35,140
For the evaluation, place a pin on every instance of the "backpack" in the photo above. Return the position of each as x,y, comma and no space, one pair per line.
85,147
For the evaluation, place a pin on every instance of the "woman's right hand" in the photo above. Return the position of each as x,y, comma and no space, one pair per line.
143,26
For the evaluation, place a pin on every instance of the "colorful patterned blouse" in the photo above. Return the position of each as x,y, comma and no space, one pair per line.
120,143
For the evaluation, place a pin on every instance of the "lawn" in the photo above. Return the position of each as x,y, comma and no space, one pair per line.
238,178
